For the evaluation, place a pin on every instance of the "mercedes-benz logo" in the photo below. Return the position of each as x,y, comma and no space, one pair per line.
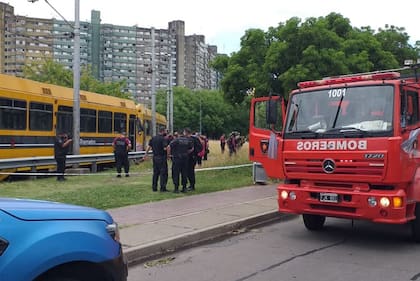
328,166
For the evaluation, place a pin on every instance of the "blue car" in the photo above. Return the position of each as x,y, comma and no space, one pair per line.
48,241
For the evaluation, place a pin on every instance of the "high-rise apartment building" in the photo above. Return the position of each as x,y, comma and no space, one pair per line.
22,40
113,52
198,73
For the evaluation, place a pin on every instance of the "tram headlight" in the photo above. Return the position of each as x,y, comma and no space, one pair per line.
384,202
292,195
372,201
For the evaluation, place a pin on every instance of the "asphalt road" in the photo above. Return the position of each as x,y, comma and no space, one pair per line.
286,251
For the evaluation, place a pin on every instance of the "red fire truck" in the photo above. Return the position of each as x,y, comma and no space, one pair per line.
345,146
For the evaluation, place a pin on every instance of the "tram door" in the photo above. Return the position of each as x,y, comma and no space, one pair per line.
132,131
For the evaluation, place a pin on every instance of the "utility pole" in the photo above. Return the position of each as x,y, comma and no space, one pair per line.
201,129
76,80
168,96
76,72
153,84
171,98
168,115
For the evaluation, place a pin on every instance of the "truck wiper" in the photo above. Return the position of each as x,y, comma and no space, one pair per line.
305,134
347,132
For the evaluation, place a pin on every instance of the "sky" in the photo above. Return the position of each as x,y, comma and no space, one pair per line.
224,22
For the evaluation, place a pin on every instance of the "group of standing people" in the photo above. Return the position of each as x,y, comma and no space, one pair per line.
183,151
233,142
121,145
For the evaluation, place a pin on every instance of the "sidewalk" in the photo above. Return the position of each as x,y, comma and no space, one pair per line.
152,229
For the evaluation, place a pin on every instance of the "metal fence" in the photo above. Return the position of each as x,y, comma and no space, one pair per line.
91,160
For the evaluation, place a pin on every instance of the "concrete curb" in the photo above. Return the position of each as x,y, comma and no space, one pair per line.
155,249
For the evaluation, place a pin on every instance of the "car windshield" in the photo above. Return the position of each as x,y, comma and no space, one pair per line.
352,109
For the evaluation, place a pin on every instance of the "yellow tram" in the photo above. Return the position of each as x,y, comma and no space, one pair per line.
32,113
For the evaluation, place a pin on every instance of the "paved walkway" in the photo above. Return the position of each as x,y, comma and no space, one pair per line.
152,229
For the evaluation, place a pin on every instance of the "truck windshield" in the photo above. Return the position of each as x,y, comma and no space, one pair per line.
352,111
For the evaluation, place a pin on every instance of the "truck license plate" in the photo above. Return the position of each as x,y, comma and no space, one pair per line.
328,197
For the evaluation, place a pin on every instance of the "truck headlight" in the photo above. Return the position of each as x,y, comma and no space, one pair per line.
113,231
372,201
384,202
284,194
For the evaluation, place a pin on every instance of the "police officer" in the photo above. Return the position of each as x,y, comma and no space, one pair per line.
61,148
192,159
122,146
179,149
158,145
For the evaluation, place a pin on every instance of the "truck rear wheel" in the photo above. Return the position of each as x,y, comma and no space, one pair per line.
313,222
415,225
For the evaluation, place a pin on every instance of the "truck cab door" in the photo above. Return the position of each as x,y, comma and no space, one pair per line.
265,134
410,122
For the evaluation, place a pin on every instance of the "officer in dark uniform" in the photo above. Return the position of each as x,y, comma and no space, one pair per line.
192,160
179,149
122,146
158,145
61,149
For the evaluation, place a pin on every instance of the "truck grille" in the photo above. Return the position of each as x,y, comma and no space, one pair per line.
361,167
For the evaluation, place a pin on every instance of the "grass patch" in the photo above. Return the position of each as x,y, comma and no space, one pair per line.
105,191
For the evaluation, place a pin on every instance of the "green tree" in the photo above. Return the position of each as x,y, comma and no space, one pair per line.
217,115
243,72
396,41
276,60
52,72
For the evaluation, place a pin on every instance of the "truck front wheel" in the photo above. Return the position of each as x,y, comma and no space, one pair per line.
313,222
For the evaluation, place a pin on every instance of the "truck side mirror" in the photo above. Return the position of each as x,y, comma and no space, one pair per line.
272,111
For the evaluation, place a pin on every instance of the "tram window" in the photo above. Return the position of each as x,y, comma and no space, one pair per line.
87,120
65,119
40,116
12,114
105,122
120,121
